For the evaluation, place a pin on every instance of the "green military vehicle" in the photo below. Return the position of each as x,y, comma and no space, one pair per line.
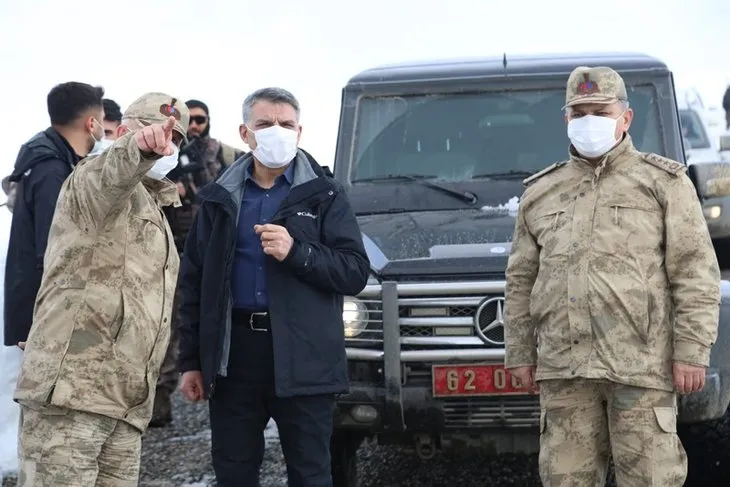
433,155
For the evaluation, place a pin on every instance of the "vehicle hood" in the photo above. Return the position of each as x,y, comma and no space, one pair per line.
457,242
700,156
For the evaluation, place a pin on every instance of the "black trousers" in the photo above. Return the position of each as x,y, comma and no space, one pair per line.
243,403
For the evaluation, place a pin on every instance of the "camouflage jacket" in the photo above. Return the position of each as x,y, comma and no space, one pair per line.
612,273
101,320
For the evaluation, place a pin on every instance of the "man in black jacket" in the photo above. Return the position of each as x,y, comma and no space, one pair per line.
43,164
273,248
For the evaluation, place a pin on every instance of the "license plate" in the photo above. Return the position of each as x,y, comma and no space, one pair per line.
474,380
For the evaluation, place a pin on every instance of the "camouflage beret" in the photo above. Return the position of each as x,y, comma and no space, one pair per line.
156,108
599,84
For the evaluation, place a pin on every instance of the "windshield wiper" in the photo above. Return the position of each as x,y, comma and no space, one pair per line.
505,175
423,180
393,177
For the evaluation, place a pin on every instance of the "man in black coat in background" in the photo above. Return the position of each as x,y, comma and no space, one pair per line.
43,164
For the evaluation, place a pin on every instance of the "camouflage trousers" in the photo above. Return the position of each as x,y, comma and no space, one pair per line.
168,379
60,447
584,421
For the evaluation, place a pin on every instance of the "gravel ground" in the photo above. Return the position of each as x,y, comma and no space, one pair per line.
179,456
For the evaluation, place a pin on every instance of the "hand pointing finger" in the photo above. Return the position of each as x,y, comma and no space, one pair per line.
168,126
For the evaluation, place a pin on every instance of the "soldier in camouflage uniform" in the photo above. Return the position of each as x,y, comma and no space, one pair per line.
101,322
202,160
613,293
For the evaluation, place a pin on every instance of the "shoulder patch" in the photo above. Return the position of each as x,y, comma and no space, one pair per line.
665,164
528,181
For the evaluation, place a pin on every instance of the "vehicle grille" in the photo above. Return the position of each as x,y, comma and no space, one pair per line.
436,315
428,331
437,321
492,412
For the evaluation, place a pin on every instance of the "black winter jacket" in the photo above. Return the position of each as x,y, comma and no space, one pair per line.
43,164
306,290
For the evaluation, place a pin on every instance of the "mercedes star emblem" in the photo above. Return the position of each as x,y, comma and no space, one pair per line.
489,321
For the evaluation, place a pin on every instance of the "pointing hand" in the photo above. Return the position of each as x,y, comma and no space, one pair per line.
156,138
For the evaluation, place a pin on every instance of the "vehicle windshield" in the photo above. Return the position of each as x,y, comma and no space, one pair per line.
465,136
692,130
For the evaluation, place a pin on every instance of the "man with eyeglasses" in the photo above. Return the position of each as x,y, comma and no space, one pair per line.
101,323
201,161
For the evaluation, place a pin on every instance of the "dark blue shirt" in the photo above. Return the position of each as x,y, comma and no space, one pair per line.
248,281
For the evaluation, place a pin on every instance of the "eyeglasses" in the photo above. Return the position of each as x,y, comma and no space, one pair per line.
198,119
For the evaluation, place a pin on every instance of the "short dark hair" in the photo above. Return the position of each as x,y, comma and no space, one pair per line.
197,104
68,101
112,111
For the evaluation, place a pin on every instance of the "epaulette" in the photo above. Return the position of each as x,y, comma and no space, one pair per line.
665,164
528,181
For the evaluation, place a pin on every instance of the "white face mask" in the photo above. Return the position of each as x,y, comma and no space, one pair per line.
275,146
592,136
100,146
164,165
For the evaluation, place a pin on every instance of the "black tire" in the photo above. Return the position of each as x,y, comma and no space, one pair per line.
708,451
343,449
722,250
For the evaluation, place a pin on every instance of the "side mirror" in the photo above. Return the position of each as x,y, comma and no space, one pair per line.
725,143
712,179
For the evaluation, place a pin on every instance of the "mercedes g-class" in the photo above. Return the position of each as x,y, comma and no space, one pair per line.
433,156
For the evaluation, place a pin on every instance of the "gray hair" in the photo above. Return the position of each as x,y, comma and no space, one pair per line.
623,104
273,95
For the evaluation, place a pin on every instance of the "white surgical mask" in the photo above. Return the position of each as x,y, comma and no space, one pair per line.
592,136
164,165
275,146
100,146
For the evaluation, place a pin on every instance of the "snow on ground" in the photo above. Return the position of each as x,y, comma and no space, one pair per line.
271,433
10,358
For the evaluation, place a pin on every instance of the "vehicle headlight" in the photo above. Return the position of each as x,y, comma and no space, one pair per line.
354,316
712,212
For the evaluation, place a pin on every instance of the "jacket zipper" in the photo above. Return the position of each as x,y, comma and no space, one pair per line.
223,311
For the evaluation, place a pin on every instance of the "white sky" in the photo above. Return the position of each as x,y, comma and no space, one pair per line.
219,51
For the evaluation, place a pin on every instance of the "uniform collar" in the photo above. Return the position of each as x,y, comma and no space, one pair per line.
611,159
